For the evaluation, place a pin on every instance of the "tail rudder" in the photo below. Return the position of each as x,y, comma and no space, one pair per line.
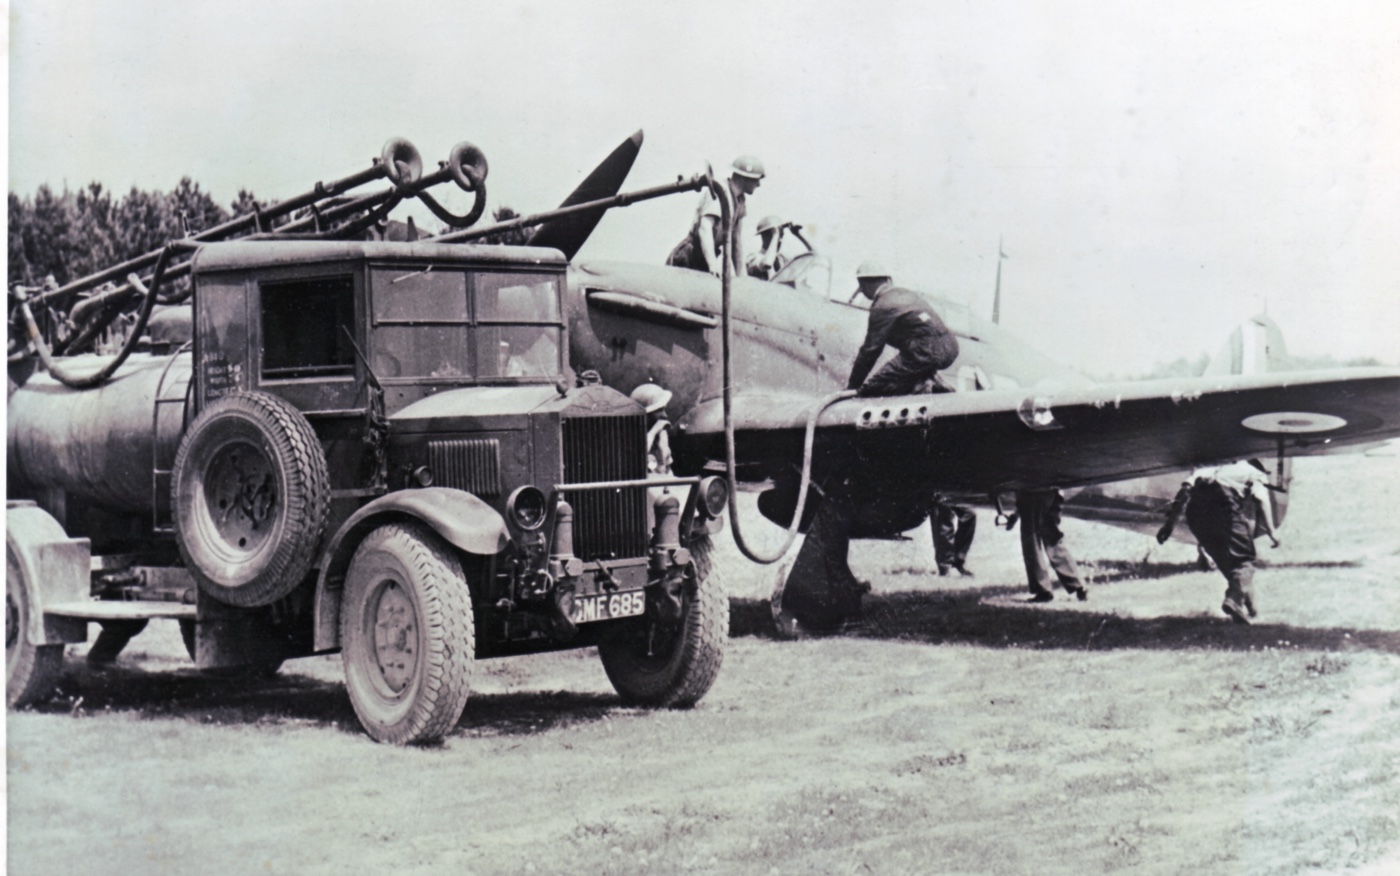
1255,346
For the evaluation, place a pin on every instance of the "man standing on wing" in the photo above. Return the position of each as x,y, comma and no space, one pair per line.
704,246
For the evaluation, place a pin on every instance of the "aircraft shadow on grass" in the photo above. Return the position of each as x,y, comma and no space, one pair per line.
293,699
1002,617
1112,571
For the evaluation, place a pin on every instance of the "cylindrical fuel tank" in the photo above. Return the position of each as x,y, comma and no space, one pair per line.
100,444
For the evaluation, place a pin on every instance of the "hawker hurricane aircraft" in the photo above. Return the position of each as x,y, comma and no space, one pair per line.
1017,420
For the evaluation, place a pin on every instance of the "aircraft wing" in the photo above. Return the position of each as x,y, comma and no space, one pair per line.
997,440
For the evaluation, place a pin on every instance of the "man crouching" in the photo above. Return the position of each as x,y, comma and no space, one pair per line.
903,319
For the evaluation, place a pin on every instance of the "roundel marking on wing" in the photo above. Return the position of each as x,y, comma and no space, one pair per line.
1292,423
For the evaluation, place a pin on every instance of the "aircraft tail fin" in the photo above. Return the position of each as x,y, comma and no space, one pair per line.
1256,346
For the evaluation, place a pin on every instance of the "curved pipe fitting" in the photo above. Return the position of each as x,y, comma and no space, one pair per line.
402,163
468,166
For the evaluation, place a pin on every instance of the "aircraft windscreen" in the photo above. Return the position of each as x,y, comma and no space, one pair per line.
807,272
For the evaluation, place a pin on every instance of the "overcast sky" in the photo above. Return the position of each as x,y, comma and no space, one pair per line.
1158,171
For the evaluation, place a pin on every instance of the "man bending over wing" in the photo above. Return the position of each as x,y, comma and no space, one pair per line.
903,320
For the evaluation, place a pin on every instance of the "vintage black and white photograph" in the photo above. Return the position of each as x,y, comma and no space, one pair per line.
543,437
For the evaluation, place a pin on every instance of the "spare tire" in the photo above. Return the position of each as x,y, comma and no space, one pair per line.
250,497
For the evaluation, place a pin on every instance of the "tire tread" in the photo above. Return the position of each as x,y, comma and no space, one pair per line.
445,617
306,498
695,664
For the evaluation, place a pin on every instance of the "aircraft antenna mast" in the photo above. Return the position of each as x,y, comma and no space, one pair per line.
996,297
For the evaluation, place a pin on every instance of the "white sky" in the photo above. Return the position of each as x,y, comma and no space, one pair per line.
1157,170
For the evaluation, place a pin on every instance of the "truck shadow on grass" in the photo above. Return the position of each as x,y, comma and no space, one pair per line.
291,700
1000,617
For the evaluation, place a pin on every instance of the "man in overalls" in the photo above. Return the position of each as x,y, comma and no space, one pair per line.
905,320
1226,509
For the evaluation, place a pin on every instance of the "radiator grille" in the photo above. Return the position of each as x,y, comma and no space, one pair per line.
612,523
471,464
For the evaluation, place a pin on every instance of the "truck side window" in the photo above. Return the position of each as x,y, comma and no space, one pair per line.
302,334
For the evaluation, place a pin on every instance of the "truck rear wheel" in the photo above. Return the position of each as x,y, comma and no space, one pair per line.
406,635
651,662
250,498
31,671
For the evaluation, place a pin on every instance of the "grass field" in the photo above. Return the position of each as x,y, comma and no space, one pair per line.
959,730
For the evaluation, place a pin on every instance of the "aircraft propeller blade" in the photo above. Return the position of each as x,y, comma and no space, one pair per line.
569,233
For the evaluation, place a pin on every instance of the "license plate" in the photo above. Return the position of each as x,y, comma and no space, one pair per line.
606,606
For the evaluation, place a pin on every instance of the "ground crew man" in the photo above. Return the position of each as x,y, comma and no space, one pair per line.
954,527
654,399
112,639
1226,509
768,261
904,320
1043,545
704,245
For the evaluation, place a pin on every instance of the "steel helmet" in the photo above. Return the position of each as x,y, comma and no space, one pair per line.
770,223
869,269
651,397
749,166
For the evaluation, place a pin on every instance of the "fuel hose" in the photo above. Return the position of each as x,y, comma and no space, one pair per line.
809,438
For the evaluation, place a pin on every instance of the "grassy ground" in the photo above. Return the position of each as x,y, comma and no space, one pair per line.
960,730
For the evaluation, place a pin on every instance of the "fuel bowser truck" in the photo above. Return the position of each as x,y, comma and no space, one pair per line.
293,438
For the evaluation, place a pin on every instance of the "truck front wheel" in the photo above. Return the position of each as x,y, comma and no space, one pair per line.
652,662
406,635
31,671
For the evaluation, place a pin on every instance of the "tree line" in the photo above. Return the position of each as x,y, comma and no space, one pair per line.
71,234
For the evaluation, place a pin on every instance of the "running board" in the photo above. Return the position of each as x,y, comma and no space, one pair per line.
93,609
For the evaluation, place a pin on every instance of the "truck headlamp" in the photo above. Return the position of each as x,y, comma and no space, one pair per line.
526,508
714,495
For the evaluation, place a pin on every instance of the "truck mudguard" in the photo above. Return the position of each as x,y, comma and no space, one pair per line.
463,520
53,569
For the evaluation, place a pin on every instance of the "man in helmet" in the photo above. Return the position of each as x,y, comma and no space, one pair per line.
654,399
704,246
903,319
768,261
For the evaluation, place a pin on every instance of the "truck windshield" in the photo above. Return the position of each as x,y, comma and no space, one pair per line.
453,324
